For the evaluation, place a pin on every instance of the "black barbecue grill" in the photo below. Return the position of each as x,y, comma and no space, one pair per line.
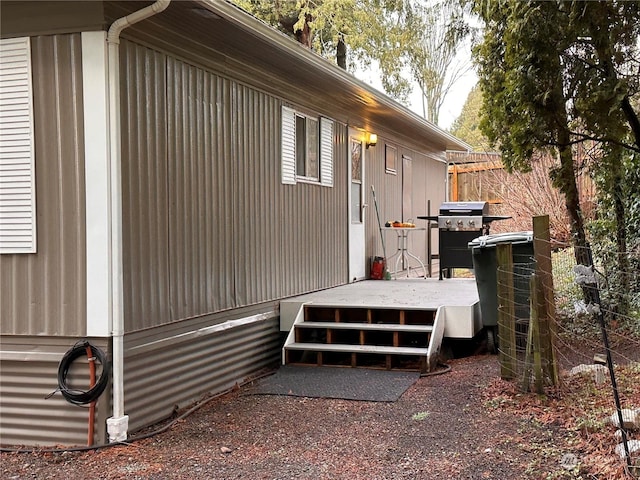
458,224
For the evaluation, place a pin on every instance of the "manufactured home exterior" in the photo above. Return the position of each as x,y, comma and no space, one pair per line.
163,207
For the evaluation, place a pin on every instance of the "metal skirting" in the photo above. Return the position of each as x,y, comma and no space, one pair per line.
160,375
29,419
29,367
170,373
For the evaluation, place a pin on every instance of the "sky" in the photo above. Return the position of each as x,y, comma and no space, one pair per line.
457,96
453,102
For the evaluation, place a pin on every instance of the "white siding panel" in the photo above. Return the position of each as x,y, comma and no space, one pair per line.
326,152
17,179
288,146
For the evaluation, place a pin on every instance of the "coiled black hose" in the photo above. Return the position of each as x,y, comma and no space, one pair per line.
82,397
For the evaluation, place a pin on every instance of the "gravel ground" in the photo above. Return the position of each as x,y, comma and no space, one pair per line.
444,426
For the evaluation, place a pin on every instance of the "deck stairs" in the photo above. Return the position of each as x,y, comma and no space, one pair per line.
389,338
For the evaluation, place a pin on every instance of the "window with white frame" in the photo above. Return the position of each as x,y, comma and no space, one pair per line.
307,148
17,170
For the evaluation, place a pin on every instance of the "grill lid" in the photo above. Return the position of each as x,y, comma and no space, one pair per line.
464,209
464,216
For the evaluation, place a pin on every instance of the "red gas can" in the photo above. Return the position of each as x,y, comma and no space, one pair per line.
377,268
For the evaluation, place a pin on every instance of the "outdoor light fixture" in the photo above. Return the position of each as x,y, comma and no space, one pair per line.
371,139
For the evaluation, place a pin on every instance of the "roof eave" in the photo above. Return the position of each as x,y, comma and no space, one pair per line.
309,58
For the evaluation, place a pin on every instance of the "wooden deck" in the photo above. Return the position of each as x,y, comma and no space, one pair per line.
459,296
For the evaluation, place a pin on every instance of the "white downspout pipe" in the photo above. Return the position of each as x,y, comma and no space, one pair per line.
118,424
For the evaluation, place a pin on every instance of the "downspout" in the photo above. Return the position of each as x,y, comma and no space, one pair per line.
118,424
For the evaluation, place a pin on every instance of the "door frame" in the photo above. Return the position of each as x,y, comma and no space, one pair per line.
355,208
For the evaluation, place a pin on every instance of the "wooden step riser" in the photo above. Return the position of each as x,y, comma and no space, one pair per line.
370,316
356,359
362,337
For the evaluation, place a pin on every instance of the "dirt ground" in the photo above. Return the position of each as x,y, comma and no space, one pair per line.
452,426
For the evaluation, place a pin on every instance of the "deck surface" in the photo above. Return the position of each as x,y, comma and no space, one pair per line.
459,296
422,294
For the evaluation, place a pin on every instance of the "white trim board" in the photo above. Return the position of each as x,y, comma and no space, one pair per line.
96,161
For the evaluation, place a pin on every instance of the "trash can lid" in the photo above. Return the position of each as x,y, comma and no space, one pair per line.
497,238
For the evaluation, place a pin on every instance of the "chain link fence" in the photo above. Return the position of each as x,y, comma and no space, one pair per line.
574,308
572,311
616,278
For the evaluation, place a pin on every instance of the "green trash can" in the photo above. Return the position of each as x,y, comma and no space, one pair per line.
485,266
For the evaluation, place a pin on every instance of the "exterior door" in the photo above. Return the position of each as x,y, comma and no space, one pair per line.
357,256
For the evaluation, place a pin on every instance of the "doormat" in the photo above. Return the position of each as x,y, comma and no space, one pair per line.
334,382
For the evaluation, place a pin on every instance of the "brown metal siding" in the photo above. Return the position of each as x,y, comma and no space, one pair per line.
201,183
144,186
388,189
208,224
428,183
337,217
44,293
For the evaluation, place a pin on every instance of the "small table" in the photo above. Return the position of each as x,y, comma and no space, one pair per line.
403,247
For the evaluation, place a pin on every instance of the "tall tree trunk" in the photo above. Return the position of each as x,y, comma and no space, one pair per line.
565,180
305,36
341,53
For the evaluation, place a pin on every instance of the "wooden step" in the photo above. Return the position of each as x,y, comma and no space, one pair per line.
392,339
388,327
338,347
